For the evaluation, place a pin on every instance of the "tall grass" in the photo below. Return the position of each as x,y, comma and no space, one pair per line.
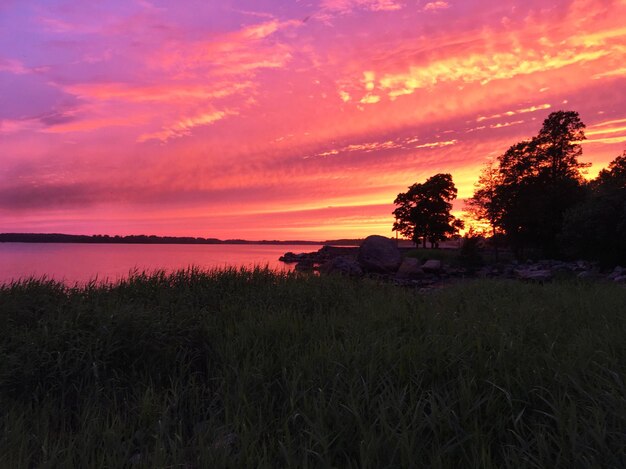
249,368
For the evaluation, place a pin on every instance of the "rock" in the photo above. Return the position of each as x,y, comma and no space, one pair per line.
379,254
620,279
318,257
459,272
485,272
617,272
561,267
587,275
342,265
432,266
534,275
305,265
330,252
410,269
290,257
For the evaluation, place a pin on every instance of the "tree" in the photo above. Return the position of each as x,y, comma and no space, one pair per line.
613,178
484,205
596,228
558,145
538,181
423,212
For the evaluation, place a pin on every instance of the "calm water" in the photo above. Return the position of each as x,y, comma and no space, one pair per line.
73,263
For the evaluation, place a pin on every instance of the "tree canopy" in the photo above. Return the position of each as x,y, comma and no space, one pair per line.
535,182
423,212
596,228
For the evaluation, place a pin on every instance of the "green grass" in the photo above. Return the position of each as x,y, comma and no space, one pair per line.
254,369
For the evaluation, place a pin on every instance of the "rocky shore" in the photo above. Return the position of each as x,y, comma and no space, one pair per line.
379,257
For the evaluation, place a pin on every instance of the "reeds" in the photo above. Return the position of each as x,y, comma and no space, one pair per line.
251,368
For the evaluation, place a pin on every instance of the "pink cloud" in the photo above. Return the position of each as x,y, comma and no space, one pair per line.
184,126
346,6
439,5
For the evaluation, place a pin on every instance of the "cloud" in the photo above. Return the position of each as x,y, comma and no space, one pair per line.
166,92
618,72
604,132
278,106
13,66
609,123
184,126
501,125
445,143
238,52
348,6
482,68
9,126
539,107
407,143
610,130
370,99
18,68
608,140
439,5
40,122
90,124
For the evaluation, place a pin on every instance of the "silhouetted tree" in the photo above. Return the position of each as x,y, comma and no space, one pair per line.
537,181
613,178
596,228
484,205
423,212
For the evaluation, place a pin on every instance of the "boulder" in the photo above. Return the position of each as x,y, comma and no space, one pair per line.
562,267
620,279
379,254
304,265
432,266
410,269
617,272
342,265
290,257
330,252
588,275
544,275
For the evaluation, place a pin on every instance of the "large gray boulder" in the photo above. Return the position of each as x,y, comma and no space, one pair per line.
379,254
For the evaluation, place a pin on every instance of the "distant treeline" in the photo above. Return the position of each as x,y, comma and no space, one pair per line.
149,239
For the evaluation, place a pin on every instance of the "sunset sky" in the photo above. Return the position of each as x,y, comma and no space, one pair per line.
283,119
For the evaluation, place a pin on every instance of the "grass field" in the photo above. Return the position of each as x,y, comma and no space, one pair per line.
255,369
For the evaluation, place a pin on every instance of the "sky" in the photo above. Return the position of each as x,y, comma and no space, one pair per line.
276,119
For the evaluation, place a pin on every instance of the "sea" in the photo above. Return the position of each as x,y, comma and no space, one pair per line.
81,263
